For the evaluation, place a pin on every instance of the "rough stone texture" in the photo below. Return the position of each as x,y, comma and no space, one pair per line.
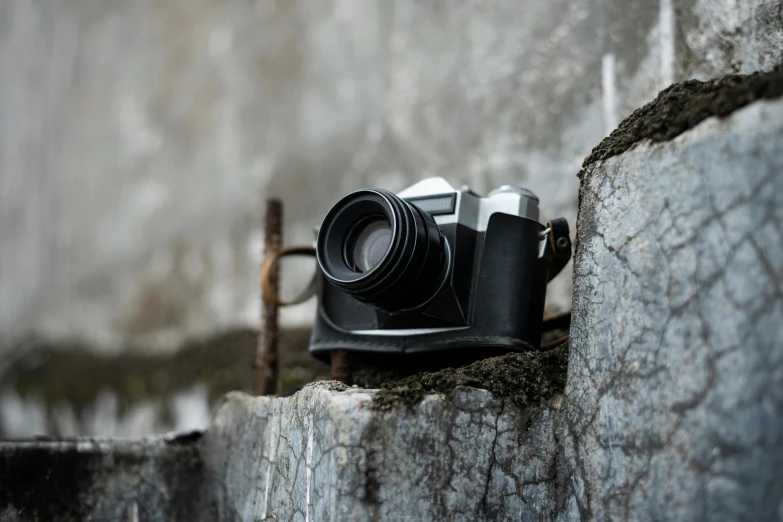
674,401
153,479
327,454
137,139
525,379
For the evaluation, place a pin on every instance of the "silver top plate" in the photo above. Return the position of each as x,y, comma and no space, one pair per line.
473,211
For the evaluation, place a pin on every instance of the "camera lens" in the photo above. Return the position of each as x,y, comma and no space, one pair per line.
382,250
368,243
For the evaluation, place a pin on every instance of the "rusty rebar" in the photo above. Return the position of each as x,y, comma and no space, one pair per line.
267,364
341,368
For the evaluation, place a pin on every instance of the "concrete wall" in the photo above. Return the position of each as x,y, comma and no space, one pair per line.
138,138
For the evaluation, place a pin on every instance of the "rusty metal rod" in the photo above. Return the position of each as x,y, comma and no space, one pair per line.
267,363
341,369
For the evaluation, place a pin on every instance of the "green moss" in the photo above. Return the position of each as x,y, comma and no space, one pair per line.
684,105
527,379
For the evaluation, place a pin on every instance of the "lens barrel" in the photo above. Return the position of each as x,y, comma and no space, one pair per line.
413,266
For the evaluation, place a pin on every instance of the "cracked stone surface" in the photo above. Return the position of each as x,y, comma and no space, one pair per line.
326,454
674,401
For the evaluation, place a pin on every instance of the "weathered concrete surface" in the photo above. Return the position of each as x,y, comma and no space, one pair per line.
674,402
152,479
137,139
328,454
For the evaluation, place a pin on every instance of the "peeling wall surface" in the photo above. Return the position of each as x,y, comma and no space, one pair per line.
138,139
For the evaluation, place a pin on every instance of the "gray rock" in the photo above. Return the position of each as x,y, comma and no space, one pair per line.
327,454
674,402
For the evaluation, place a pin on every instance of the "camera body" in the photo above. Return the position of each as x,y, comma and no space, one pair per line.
434,268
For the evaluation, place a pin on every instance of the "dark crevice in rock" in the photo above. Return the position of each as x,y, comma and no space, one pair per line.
31,475
189,438
684,105
526,379
76,480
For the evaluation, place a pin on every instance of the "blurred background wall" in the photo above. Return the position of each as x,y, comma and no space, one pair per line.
139,138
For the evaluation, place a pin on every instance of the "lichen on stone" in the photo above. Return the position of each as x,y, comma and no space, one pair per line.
329,385
527,379
684,105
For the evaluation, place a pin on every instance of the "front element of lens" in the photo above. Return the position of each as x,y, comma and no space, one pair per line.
367,243
382,250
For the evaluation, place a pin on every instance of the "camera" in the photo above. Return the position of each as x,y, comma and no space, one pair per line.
433,269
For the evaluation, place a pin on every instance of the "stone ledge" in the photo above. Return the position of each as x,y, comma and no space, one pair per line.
674,398
326,454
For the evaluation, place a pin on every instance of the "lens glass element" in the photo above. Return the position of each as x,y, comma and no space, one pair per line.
368,243
382,250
